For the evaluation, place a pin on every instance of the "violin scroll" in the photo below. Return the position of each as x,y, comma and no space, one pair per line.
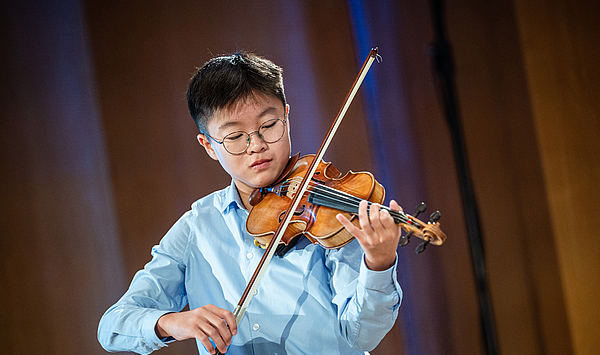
430,232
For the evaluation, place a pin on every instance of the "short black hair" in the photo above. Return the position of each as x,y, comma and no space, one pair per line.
224,81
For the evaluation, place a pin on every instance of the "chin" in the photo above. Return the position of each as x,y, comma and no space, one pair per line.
264,183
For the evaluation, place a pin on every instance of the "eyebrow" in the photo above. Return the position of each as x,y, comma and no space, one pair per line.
267,111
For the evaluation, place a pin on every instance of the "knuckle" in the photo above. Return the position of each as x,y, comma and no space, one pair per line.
200,310
222,324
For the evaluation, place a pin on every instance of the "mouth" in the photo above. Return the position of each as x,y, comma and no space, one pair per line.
260,164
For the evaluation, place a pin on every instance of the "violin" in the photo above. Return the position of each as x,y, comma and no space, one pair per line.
328,194
309,194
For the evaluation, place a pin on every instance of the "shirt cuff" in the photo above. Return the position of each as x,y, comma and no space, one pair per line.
377,280
149,329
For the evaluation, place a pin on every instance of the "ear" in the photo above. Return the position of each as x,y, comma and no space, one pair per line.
205,142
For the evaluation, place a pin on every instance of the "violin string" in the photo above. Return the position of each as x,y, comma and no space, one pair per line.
337,195
298,179
312,183
352,201
344,198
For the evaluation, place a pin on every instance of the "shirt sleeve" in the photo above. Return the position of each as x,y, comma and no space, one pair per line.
129,325
367,301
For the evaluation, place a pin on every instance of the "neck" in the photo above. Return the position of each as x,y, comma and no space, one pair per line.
244,197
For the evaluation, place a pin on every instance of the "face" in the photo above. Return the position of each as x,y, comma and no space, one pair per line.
262,162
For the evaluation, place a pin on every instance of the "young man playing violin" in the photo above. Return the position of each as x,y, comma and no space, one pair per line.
310,301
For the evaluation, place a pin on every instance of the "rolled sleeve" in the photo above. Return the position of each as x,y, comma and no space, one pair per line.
367,300
384,281
149,329
156,290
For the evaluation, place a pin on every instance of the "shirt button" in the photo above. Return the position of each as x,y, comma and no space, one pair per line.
256,292
249,255
255,327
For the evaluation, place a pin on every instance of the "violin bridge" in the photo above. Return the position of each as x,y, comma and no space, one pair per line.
291,189
286,189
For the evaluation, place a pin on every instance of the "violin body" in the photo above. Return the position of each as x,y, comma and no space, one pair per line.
315,220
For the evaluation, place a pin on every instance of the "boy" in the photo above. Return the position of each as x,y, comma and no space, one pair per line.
310,301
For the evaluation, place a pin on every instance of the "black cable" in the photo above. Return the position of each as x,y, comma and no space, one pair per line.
444,68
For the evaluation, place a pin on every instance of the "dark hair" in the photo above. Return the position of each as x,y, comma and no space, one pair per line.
223,81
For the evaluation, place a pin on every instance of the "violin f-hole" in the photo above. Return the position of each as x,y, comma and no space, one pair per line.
297,212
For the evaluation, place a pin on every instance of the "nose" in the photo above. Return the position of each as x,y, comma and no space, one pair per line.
256,145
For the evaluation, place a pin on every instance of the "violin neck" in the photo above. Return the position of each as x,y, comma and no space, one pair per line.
339,200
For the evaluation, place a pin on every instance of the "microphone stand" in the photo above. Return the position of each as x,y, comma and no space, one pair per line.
443,65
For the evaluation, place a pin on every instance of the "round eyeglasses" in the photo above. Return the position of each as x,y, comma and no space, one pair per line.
237,142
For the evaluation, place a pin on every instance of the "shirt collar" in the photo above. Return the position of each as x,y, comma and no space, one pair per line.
231,198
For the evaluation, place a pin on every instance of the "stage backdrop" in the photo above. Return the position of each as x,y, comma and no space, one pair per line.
98,156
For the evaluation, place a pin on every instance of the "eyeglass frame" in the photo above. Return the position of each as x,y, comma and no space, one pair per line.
248,140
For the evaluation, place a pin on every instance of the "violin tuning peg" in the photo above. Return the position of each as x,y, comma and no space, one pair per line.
421,247
405,239
421,207
435,216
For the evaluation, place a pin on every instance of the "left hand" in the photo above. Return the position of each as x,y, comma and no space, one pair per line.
378,234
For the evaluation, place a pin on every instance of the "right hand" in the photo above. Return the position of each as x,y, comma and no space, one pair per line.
201,323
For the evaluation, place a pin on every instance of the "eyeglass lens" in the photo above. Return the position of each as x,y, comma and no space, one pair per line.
271,131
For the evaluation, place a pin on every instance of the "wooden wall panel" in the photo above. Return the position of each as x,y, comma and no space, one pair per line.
501,141
561,47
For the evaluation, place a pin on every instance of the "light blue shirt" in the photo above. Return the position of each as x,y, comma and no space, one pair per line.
311,301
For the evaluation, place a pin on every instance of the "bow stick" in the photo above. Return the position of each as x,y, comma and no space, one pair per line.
270,251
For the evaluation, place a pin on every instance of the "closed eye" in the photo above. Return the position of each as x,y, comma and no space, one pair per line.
234,136
269,124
